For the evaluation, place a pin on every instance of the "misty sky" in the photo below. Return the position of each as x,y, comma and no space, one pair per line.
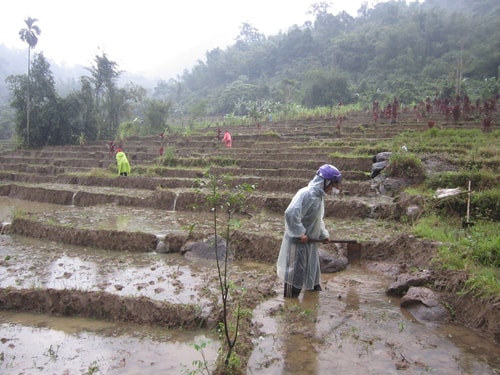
149,36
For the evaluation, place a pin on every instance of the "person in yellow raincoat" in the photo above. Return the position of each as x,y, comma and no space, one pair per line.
122,163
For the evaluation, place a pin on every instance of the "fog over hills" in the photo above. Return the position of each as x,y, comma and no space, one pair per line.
15,61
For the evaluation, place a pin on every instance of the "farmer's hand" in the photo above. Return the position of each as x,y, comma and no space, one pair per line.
326,241
303,238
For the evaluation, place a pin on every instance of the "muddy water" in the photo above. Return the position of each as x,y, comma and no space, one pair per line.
352,327
34,263
40,344
108,217
8,207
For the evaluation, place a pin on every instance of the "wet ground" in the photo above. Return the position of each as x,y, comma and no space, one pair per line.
351,327
41,344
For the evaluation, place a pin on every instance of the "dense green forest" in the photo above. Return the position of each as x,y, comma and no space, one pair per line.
392,50
408,51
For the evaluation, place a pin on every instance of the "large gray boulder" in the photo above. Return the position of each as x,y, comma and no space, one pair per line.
330,263
206,249
406,280
424,305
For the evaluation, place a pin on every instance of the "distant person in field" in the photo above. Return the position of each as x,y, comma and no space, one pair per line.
219,134
228,140
111,147
122,163
162,144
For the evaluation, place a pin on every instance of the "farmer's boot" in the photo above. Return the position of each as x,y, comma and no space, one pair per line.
291,291
317,288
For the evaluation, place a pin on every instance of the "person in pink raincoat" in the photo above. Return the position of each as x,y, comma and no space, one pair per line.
227,139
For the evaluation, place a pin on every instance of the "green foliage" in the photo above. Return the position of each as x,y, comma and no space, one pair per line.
435,228
96,110
475,250
477,245
82,139
323,89
474,154
394,49
30,33
92,369
45,115
128,129
168,156
224,200
486,204
454,141
221,161
6,125
99,172
406,165
484,283
201,366
157,112
111,102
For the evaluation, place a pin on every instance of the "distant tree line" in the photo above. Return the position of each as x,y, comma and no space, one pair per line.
395,49
96,111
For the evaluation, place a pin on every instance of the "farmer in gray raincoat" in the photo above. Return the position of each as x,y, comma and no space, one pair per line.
298,260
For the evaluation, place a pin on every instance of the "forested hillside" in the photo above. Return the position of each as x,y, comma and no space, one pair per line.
395,49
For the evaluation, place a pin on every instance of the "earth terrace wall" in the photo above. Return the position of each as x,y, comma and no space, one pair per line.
344,207
104,306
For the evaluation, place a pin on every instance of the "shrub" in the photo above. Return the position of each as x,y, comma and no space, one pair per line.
405,165
487,204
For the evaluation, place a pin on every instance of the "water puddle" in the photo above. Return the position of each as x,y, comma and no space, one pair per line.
31,263
9,206
352,327
41,344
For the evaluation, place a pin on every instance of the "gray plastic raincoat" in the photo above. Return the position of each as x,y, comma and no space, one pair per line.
298,263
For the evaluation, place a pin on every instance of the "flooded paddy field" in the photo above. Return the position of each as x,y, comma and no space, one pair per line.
42,344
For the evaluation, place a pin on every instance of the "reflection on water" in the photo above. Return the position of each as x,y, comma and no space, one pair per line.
41,344
352,327
352,299
109,217
8,207
297,342
164,277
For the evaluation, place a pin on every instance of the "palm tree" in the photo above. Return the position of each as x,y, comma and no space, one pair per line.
30,36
